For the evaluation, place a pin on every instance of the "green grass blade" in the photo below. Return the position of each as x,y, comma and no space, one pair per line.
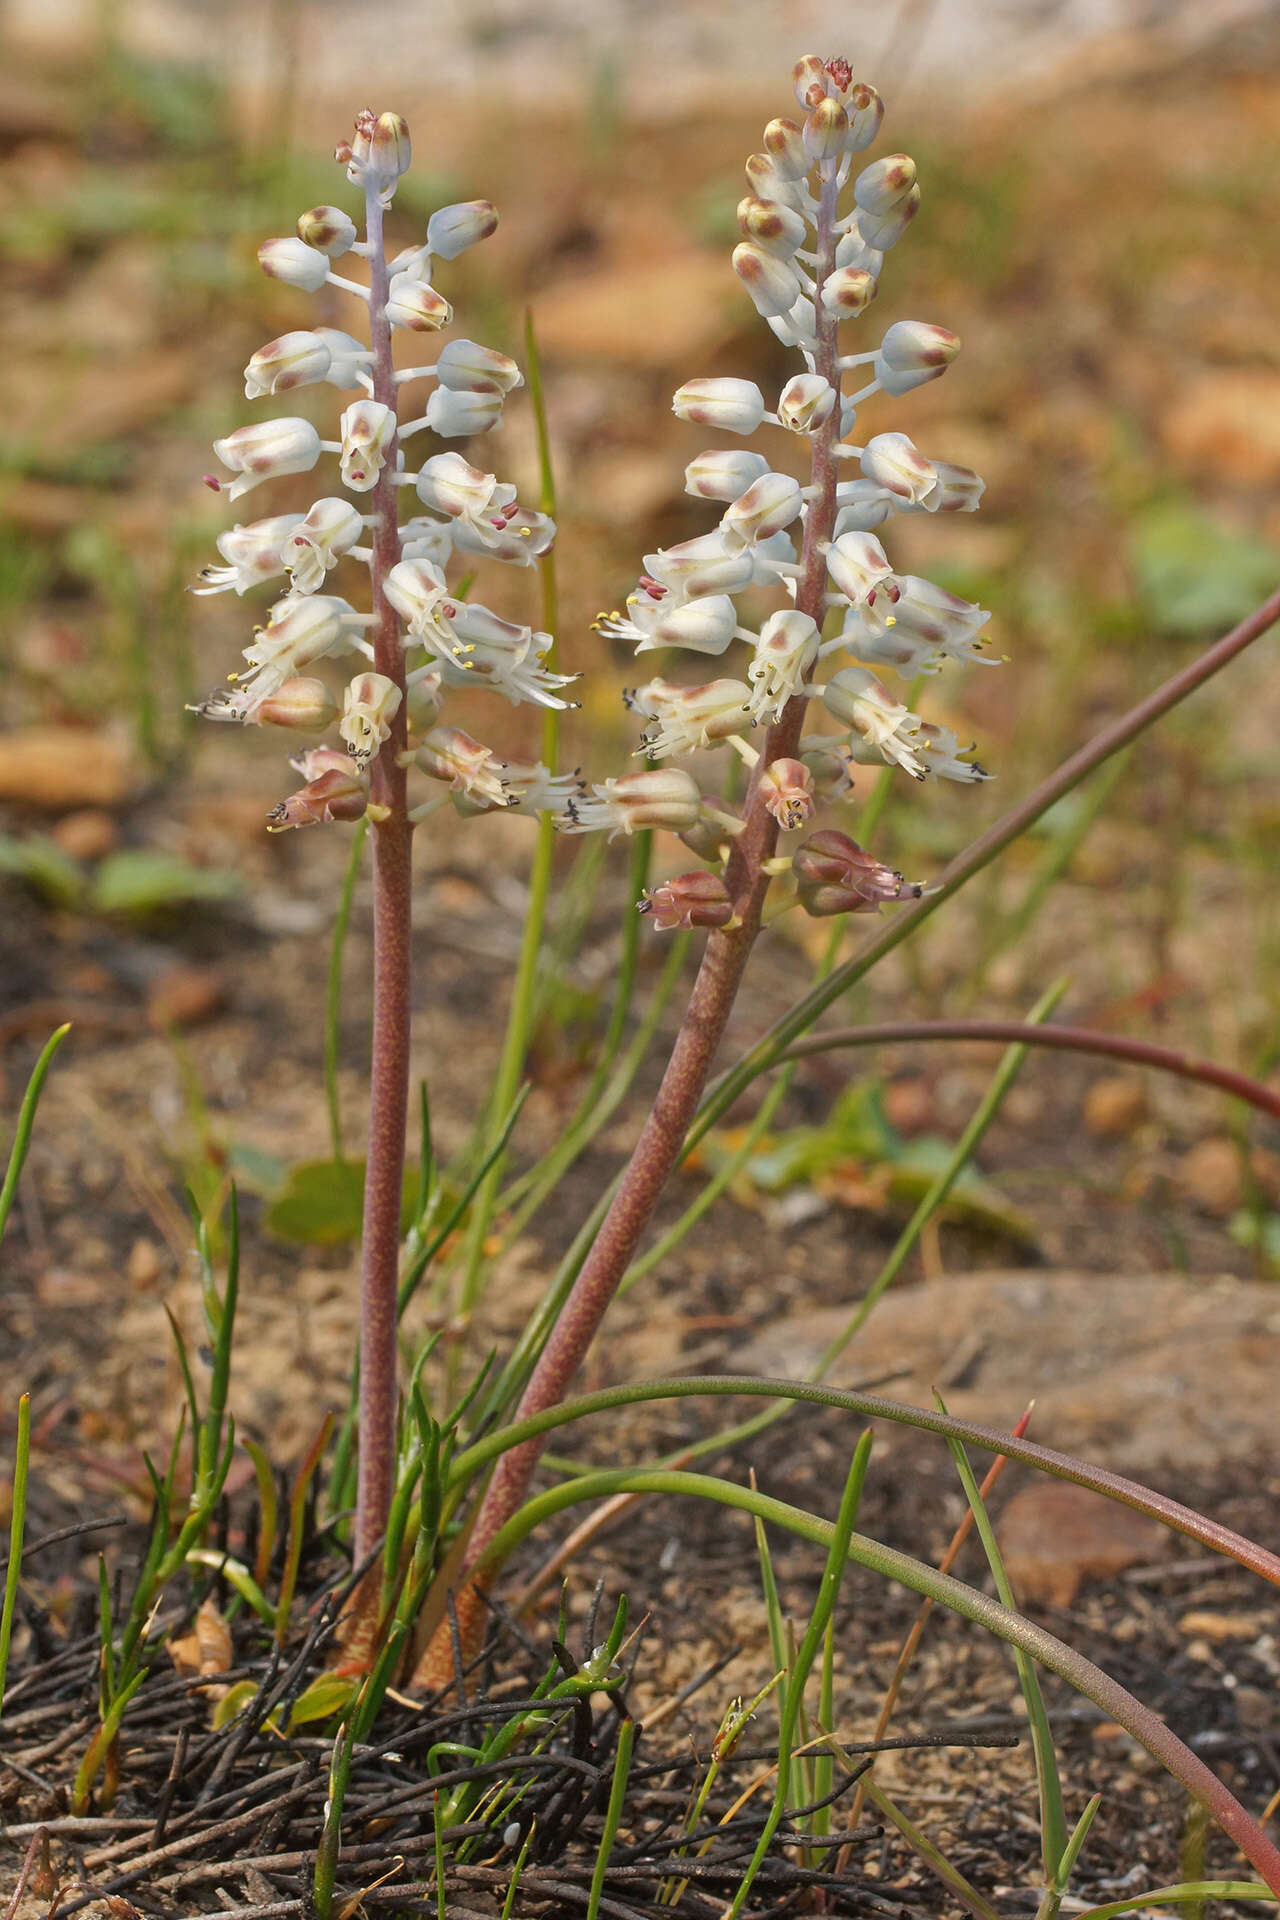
17,1524
26,1120
1190,1891
1053,1819
613,1814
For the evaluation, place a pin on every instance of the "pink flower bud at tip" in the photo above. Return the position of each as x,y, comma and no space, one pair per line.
731,406
456,416
335,795
464,366
415,306
786,787
328,229
696,899
894,462
294,360
297,264
770,503
912,353
451,230
722,473
267,451
805,402
835,875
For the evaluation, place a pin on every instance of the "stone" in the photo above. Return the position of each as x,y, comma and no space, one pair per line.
1054,1537
1115,1105
1210,1173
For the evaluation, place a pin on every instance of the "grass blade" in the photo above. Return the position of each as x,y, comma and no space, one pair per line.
17,1523
26,1120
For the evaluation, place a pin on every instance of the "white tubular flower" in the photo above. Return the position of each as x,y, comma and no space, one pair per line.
300,630
318,542
451,230
849,291
370,705
931,617
252,555
453,756
708,563
455,416
941,752
883,726
660,797
267,451
294,360
805,402
294,262
682,719
773,285
730,406
769,504
415,306
415,588
473,644
424,538
466,367
856,564
328,229
523,538
894,462
452,486
784,658
348,358
863,506
303,705
959,489
531,785
367,429
769,224
705,625
913,352
377,154
890,646
722,473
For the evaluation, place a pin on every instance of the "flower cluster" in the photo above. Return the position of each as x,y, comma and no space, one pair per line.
815,236
439,640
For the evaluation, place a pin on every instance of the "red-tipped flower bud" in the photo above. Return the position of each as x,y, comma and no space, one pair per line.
835,875
697,899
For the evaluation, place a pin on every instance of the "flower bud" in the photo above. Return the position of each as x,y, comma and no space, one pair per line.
835,875
862,506
883,230
857,563
881,187
698,899
825,132
466,367
784,145
706,564
786,787
704,625
335,795
328,229
455,415
709,833
294,262
853,250
849,291
347,357
252,555
768,505
377,154
731,406
453,756
301,628
722,473
809,78
785,655
805,402
894,462
451,230
294,360
865,111
778,229
319,541
415,589
768,182
371,703
367,429
305,705
415,306
913,352
267,451
773,285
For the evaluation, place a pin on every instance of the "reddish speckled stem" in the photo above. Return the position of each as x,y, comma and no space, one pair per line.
392,938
